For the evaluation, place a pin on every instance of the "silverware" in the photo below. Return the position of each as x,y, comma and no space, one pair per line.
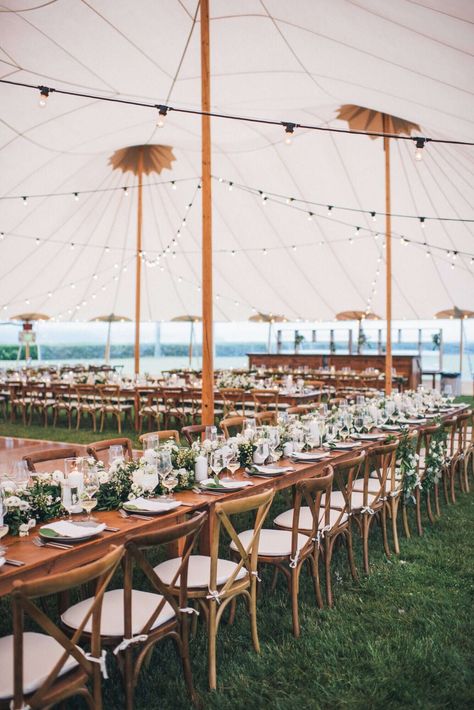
124,514
58,545
109,529
14,563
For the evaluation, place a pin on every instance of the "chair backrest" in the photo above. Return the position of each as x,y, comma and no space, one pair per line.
426,433
224,511
97,447
395,476
162,435
24,595
462,424
231,423
87,394
381,460
270,418
45,455
264,398
232,398
450,428
346,473
310,491
193,432
300,409
110,395
136,546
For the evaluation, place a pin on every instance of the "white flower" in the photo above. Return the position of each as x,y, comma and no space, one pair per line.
12,502
24,505
8,488
103,477
137,477
24,529
58,476
31,523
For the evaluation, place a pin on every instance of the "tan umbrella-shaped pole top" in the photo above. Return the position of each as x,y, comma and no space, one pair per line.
30,317
267,318
110,318
143,158
455,313
357,315
361,118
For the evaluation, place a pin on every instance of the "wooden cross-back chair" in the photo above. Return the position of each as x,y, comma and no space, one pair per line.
115,403
172,406
270,418
88,404
39,670
133,621
149,405
64,401
230,424
163,435
45,455
288,549
98,447
425,436
369,495
395,495
233,398
193,432
456,467
265,399
214,583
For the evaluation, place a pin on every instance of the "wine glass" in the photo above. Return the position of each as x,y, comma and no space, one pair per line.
331,432
232,462
170,481
298,440
152,441
368,422
218,462
150,477
164,465
90,488
358,423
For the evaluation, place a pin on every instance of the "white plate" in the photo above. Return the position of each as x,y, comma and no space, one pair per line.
367,437
343,445
307,456
149,506
89,529
225,485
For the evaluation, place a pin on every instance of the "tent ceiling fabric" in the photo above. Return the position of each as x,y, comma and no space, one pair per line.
272,59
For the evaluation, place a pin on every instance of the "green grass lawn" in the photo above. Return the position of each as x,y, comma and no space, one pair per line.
402,637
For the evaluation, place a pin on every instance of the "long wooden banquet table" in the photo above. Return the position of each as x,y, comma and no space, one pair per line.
38,561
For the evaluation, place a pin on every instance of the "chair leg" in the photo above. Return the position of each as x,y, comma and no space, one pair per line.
365,542
184,651
294,600
274,579
211,641
383,515
328,547
418,511
436,500
465,474
406,525
394,511
452,482
314,562
445,487
350,554
428,507
253,614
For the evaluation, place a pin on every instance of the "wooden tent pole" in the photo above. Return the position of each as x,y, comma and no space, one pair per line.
461,348
388,257
138,273
207,315
107,343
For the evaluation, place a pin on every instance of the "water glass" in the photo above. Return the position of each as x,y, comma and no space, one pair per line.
90,488
218,461
115,453
152,441
22,474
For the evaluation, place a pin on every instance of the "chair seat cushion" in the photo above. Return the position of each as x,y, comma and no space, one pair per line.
40,655
285,520
373,485
111,623
338,501
199,571
274,543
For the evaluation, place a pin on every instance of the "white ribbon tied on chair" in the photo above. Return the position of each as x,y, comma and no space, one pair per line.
189,610
320,534
125,643
214,594
23,706
254,573
294,560
101,661
367,509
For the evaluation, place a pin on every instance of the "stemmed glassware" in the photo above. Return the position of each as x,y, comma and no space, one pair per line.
22,474
358,423
232,462
90,488
115,453
218,461
168,477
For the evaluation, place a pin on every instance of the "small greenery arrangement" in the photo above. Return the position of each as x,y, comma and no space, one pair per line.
435,460
407,467
27,506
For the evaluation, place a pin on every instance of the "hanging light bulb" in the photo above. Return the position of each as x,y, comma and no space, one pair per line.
76,196
43,99
162,113
422,222
420,144
125,191
374,217
25,201
173,185
330,209
231,185
310,216
289,131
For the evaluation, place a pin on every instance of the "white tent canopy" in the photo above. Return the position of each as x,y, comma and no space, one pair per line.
271,59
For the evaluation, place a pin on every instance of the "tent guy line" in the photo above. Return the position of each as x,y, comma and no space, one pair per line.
289,126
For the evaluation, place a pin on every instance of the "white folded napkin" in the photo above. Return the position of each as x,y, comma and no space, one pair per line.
2,561
226,484
67,529
273,469
153,505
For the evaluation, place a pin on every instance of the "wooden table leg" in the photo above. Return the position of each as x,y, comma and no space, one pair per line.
207,531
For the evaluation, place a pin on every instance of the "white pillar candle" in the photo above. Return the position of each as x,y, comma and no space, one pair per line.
200,468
